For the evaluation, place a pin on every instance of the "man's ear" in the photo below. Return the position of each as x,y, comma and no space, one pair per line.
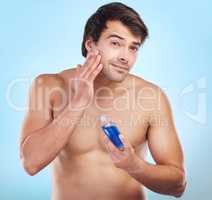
89,45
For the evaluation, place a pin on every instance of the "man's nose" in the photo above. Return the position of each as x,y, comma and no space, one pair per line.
123,56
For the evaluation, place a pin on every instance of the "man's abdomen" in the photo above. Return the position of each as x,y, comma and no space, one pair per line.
92,176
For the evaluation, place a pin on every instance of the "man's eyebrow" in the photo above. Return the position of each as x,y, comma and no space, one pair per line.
137,43
121,38
115,35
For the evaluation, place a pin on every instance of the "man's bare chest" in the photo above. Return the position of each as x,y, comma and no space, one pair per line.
87,135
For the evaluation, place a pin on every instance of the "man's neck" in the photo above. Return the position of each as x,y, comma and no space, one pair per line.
104,86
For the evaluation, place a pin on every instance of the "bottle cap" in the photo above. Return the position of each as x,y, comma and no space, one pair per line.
104,119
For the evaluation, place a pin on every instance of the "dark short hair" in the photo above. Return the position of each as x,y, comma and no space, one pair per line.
115,11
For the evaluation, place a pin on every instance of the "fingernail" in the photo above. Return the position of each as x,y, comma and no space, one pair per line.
121,149
121,136
96,52
100,66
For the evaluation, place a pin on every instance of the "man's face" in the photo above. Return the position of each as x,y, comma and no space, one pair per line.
118,48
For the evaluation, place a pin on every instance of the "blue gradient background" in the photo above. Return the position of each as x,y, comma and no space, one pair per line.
45,37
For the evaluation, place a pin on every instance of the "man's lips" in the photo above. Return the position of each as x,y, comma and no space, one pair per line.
120,67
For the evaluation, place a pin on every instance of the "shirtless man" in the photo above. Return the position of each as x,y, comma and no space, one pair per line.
62,128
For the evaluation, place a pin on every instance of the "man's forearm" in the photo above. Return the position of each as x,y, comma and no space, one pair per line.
162,179
43,145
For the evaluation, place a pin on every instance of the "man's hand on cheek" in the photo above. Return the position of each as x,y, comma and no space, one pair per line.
125,159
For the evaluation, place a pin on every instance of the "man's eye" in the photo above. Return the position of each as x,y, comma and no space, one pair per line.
115,43
134,49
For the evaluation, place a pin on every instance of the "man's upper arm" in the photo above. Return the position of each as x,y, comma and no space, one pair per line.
39,108
163,140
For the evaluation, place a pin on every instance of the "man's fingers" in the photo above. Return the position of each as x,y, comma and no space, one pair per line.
93,67
127,145
94,74
86,66
93,63
91,57
124,141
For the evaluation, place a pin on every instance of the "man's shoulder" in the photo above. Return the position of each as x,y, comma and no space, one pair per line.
54,79
142,84
48,81
149,95
151,98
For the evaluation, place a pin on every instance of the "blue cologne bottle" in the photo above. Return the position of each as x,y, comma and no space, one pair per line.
111,130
